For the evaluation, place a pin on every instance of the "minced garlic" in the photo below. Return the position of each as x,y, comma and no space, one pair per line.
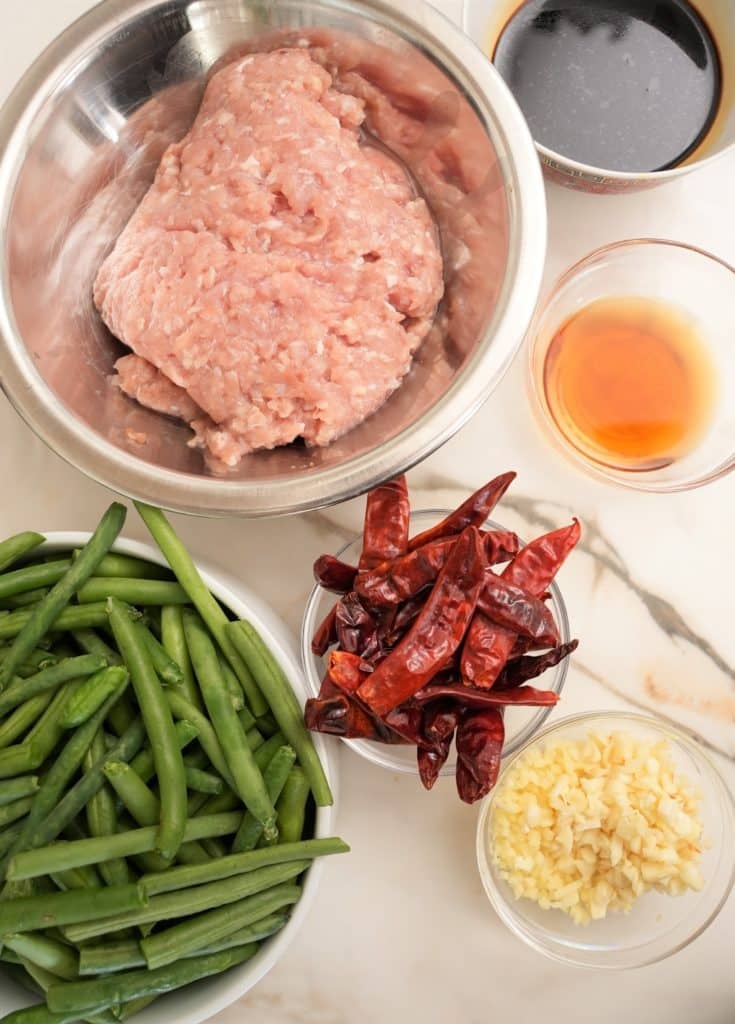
588,826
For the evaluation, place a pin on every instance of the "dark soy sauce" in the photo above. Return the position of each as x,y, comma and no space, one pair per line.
627,85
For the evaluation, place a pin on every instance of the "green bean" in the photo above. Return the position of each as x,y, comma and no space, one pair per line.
267,724
26,600
274,776
80,878
39,1014
36,660
16,547
195,803
15,811
174,642
102,816
225,801
159,726
8,837
136,592
50,678
128,566
164,665
181,940
17,760
183,710
47,732
67,908
65,855
90,783
99,993
143,763
264,753
247,718
64,767
188,576
92,643
248,780
283,703
74,616
47,613
52,956
31,577
203,782
182,877
185,902
16,789
90,695
291,806
214,848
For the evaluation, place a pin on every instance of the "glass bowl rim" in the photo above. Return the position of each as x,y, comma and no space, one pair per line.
370,750
553,949
632,480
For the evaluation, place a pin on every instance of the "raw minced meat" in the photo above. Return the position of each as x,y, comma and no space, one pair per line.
280,273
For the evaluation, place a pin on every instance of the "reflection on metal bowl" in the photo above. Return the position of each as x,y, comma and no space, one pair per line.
81,138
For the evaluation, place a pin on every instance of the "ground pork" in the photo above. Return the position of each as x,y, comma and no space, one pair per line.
279,273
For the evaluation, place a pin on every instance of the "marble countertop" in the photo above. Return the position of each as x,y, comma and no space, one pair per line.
402,930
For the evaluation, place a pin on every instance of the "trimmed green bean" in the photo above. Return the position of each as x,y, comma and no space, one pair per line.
15,811
247,718
164,665
92,643
128,566
195,803
39,1014
135,592
185,902
267,725
143,763
188,576
65,855
183,710
50,910
264,753
274,684
8,836
91,694
100,993
140,802
26,600
46,614
174,642
53,956
248,781
159,726
291,806
16,789
21,690
74,616
182,877
80,878
214,848
36,660
31,577
171,944
12,549
102,816
17,760
203,782
90,783
274,776
226,801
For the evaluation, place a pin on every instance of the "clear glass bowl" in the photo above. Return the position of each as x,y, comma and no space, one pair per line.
683,277
658,925
520,723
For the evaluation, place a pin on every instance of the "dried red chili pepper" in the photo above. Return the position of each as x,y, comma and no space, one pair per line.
485,651
407,720
480,737
405,616
339,716
439,724
513,608
357,630
524,668
437,632
469,697
472,512
326,634
334,575
385,534
347,671
393,582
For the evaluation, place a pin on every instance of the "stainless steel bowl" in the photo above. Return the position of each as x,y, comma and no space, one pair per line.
80,139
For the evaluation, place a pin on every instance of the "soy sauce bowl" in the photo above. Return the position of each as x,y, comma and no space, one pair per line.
521,723
657,925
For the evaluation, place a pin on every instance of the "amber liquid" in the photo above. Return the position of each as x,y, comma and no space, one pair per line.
630,383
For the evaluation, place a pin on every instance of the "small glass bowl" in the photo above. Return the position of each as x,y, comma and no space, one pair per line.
658,925
683,277
520,723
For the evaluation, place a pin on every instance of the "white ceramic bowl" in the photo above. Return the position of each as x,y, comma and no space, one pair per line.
520,723
198,1002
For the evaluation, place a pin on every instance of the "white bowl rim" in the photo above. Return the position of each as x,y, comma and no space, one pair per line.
236,982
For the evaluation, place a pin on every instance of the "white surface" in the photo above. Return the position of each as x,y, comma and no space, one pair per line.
402,930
